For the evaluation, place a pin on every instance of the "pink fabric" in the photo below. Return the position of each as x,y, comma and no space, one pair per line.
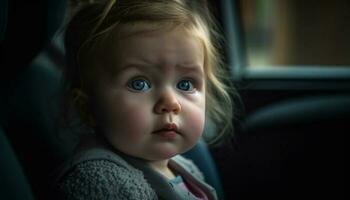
195,190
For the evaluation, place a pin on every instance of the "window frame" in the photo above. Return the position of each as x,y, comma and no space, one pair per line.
315,77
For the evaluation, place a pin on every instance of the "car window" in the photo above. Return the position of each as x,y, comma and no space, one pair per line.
288,38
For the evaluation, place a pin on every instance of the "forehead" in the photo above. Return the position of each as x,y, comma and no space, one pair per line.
150,43
148,31
124,30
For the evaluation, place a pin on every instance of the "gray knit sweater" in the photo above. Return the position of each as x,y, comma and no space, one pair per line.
102,174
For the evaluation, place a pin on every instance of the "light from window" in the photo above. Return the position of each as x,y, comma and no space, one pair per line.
296,32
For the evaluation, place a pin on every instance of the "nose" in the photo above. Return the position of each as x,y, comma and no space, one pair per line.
167,103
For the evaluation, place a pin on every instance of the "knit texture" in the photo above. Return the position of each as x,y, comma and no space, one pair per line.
103,179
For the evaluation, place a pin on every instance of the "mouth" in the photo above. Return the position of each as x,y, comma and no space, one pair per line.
168,131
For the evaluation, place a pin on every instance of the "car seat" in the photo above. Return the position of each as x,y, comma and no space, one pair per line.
30,92
13,184
26,147
293,148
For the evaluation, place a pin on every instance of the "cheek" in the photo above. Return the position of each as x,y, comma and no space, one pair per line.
126,127
134,124
132,120
124,118
198,122
195,123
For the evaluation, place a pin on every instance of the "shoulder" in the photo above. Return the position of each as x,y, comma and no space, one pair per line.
189,166
103,179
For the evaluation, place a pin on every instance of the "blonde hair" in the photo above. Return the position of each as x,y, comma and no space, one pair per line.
96,20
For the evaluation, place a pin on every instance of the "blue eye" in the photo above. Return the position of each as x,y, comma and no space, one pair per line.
185,85
139,85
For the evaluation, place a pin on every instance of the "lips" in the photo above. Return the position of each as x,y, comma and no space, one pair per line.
168,131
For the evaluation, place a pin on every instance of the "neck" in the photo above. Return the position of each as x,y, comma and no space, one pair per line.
162,168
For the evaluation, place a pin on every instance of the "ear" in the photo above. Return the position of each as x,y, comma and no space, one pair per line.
81,103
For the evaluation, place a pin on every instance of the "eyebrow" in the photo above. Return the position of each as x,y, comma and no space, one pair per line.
192,67
149,67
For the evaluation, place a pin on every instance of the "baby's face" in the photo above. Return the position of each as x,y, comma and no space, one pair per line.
150,92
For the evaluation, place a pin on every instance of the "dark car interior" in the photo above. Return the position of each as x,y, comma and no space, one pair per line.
289,139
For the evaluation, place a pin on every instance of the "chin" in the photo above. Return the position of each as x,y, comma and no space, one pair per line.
164,153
